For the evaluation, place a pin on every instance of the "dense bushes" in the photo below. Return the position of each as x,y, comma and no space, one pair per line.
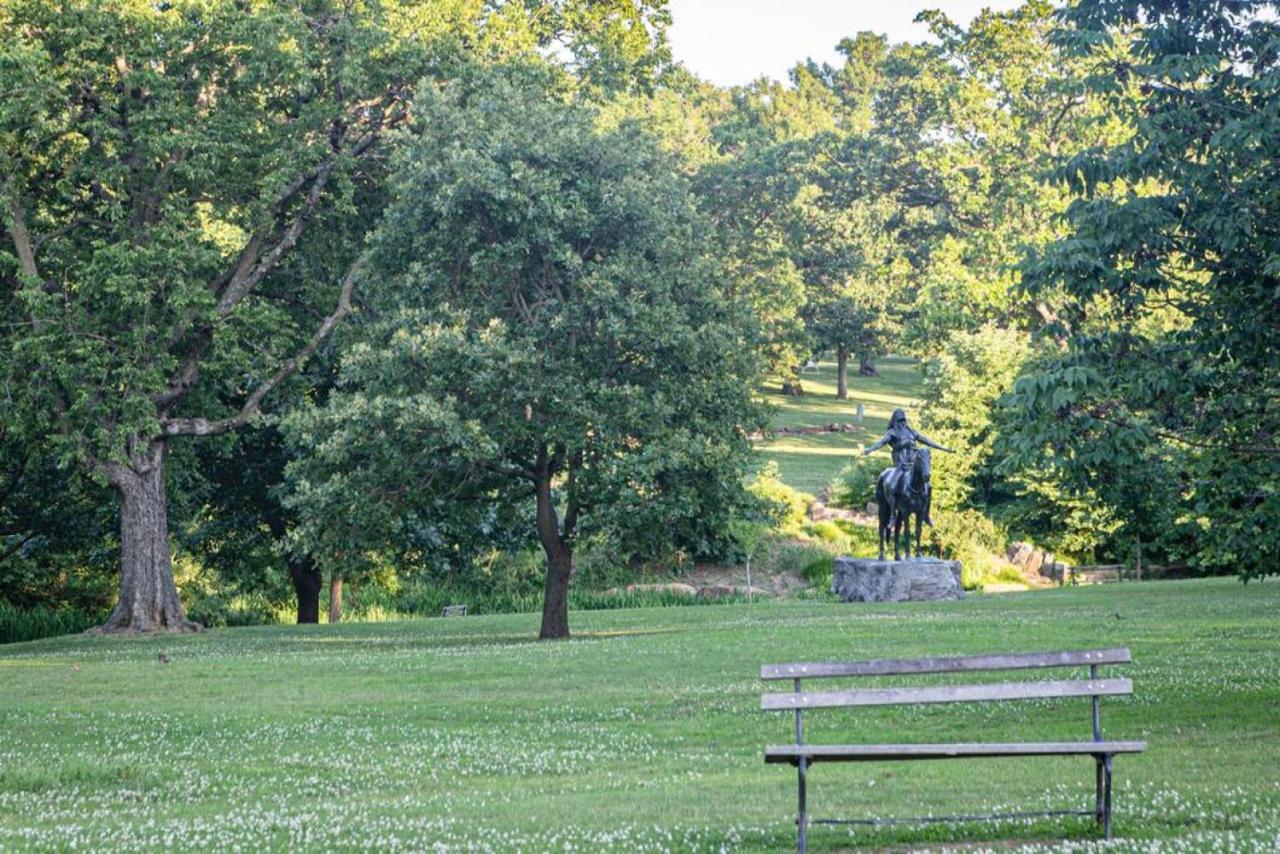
18,624
786,507
855,485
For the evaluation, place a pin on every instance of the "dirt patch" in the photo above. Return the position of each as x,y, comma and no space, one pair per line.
833,427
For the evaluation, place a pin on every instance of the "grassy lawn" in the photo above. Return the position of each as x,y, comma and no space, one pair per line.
809,463
642,733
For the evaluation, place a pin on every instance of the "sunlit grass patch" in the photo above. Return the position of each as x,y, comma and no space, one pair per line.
809,462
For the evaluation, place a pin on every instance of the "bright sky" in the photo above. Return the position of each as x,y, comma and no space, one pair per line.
731,42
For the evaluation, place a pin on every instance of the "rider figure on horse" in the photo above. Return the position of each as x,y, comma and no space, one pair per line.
902,440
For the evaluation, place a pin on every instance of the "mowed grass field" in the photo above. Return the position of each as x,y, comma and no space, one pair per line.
642,733
809,462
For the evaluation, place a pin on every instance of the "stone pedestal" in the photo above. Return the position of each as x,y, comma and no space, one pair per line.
918,579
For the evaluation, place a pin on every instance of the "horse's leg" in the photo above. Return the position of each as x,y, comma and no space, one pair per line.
919,524
881,516
897,534
906,531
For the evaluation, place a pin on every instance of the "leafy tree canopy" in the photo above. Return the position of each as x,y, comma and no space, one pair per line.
1168,279
551,338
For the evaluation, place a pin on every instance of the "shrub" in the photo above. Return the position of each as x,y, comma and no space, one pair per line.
218,610
971,538
25,624
855,485
827,531
861,540
788,507
819,571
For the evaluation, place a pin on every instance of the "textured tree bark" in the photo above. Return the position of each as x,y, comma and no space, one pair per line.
335,599
148,596
555,595
555,592
867,366
307,582
842,374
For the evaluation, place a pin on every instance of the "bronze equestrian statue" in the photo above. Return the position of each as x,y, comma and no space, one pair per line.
904,490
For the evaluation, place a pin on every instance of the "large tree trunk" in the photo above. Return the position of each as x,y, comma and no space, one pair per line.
867,366
148,596
555,595
559,552
335,599
842,374
307,583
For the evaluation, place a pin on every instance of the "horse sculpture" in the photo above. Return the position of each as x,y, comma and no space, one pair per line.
901,497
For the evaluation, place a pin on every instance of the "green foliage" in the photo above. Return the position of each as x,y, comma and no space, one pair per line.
820,571
788,507
40,621
1074,523
548,331
962,389
854,485
1164,287
218,610
971,538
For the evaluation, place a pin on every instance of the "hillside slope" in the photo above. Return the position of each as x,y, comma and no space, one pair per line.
808,462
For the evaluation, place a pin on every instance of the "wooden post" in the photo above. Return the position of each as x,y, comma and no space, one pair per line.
1137,563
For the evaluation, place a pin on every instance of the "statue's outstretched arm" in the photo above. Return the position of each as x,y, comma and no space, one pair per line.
878,445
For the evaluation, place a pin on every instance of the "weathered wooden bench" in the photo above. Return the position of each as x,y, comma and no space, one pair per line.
802,754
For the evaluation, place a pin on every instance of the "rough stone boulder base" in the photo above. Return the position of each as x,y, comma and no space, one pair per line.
870,580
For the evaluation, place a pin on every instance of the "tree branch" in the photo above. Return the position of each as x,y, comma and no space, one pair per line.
251,266
204,427
1267,450
21,235
244,280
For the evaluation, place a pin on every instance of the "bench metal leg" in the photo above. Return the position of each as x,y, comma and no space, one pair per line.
802,768
1106,805
802,817
1097,790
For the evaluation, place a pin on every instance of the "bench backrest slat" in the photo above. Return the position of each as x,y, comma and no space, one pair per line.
946,694
950,664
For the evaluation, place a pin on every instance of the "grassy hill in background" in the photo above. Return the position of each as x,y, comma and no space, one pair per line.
809,462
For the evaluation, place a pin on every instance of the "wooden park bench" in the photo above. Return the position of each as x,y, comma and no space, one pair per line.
802,754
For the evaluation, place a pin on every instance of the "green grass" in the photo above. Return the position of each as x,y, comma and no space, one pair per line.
642,733
810,462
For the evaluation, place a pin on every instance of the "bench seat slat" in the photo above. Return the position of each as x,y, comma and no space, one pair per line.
775,753
947,664
946,694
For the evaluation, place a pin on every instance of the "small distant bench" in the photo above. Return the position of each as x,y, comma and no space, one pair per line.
802,754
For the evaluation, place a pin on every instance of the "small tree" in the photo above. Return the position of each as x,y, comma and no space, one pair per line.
551,338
